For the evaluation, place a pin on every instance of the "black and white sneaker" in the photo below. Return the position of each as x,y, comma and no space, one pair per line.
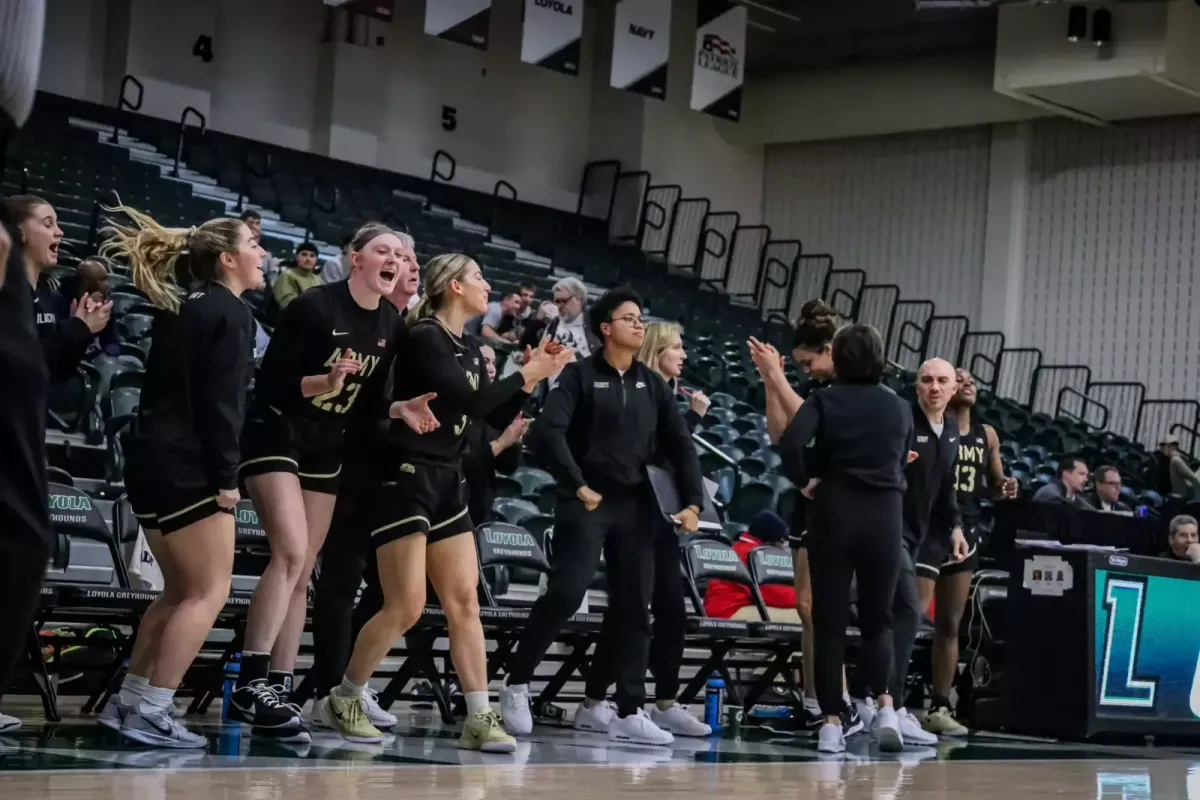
259,705
288,734
852,723
801,722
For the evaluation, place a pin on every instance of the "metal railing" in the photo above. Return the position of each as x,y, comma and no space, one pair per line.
183,119
124,104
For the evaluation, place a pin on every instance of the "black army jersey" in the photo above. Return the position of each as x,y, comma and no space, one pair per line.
974,456
436,360
320,326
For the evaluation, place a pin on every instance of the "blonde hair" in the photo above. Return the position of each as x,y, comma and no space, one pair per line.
162,260
439,273
659,336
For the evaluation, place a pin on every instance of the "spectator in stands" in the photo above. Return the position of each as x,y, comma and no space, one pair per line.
1067,487
64,339
90,280
490,451
1172,473
1182,541
182,455
662,351
535,326
500,321
729,600
295,280
337,270
570,295
811,349
1106,494
607,419
25,534
253,221
527,291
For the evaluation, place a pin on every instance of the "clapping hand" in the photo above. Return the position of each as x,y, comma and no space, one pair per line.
416,413
346,365
95,313
766,358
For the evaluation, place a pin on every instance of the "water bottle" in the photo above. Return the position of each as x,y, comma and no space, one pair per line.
714,699
1142,511
233,669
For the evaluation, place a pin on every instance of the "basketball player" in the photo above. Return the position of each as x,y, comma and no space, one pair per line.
348,558
181,469
939,575
811,349
853,436
421,528
333,342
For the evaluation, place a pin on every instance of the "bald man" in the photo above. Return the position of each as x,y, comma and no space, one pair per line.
930,509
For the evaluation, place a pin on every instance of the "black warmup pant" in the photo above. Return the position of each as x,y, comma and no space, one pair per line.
906,621
670,626
852,530
623,526
23,556
346,560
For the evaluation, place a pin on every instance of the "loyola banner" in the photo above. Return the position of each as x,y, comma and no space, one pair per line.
463,21
551,34
641,47
718,69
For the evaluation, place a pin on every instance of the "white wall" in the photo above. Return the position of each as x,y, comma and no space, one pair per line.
1111,251
909,210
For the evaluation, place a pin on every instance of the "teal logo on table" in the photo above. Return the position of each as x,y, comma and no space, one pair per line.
1147,646
246,520
70,502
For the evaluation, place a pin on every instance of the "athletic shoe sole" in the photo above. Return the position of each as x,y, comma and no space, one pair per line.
889,740
500,748
155,740
623,739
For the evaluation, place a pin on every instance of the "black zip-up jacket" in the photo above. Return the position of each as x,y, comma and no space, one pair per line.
931,502
601,429
64,338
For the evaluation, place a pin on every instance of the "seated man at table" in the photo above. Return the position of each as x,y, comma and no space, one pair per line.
1067,486
729,600
1183,543
1106,494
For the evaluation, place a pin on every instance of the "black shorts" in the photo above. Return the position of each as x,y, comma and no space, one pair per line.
166,509
933,560
424,499
309,449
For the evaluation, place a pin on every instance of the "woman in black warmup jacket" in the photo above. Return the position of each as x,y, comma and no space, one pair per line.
182,458
853,437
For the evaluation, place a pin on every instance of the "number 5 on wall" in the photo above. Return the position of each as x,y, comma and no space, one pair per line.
1124,599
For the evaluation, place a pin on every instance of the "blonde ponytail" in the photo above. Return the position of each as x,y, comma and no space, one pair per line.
164,260
439,273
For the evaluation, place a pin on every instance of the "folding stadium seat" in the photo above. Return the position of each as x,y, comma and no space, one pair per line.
705,560
772,566
711,463
749,499
785,496
752,467
753,442
533,481
134,327
722,400
719,434
749,423
722,416
506,486
727,480
514,510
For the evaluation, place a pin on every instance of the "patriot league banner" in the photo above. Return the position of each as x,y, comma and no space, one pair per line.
551,34
718,69
641,47
464,21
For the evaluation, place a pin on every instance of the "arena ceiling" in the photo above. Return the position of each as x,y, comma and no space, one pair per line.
836,32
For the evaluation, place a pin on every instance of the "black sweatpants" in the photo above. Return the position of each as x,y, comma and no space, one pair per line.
906,621
346,560
670,626
623,526
23,557
853,531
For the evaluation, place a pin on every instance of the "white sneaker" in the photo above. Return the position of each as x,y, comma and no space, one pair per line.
638,729
596,719
886,728
912,731
866,710
9,724
381,719
679,721
830,739
515,712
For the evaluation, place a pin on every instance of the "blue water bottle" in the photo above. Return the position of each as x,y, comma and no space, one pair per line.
1142,511
714,699
233,669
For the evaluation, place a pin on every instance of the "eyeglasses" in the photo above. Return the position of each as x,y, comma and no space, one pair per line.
631,319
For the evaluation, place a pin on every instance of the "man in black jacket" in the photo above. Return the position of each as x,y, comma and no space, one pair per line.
607,419
930,509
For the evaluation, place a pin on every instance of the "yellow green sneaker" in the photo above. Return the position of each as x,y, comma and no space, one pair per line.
484,732
345,715
941,722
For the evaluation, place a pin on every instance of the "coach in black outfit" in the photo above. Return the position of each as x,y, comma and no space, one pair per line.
930,509
605,421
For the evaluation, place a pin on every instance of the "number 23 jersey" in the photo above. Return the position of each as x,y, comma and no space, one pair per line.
315,330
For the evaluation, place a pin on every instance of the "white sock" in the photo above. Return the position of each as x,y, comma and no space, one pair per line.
155,699
476,702
846,698
132,689
349,689
811,704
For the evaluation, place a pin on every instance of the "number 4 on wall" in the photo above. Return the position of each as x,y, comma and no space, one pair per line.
203,48
1125,600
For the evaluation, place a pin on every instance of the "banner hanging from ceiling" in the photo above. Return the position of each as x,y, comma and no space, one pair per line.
718,68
